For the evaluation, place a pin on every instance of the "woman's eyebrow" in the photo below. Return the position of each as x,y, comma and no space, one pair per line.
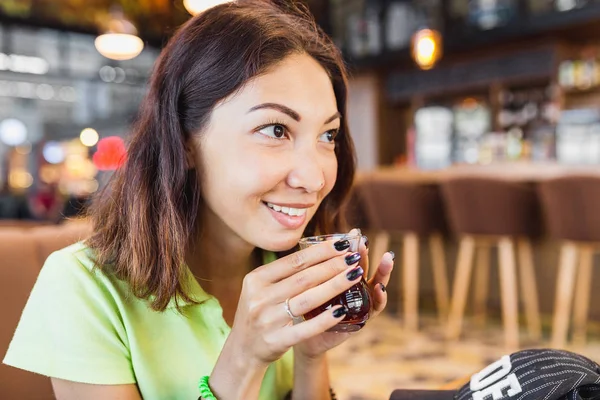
288,111
335,116
279,107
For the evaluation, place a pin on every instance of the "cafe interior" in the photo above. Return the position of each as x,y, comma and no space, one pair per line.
477,132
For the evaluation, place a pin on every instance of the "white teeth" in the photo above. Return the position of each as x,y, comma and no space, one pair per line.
293,212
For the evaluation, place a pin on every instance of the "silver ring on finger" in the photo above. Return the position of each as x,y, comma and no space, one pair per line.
295,319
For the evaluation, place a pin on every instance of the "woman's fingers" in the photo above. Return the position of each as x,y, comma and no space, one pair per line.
312,298
294,334
283,302
384,269
313,277
364,254
300,260
380,280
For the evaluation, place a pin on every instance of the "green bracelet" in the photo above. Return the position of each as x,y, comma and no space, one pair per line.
205,392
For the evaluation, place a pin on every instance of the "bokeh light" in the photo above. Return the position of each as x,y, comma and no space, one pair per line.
13,132
53,152
427,48
89,137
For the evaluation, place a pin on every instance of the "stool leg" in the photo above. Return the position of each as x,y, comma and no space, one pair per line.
381,244
564,294
464,265
508,290
440,275
529,288
411,281
482,276
582,295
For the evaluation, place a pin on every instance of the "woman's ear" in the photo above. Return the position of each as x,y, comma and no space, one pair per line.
190,155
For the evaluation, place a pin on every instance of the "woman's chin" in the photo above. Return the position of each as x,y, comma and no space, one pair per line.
284,244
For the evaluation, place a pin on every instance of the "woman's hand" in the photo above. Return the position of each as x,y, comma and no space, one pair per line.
263,330
318,345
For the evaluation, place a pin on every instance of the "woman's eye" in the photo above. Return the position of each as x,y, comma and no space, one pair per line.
274,131
329,136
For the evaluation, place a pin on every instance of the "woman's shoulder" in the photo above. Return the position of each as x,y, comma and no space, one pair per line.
77,254
77,307
74,268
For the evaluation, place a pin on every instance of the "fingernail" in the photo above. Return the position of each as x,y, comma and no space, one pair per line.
382,287
366,241
341,245
355,273
352,258
338,312
393,255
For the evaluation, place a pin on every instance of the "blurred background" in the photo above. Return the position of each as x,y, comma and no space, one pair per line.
434,83
477,125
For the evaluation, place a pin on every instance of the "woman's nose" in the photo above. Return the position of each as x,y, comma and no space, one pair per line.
307,172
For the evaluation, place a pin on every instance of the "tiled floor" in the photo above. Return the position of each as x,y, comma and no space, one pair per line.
382,357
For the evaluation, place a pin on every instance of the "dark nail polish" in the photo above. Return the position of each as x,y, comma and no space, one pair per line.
355,273
382,287
352,258
393,255
342,245
338,312
366,243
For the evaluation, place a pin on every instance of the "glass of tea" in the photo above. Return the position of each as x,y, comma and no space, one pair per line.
357,299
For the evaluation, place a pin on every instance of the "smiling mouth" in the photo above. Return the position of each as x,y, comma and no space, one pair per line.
291,211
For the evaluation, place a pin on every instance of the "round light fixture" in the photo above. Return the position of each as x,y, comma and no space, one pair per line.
197,6
120,40
119,46
426,48
89,137
13,132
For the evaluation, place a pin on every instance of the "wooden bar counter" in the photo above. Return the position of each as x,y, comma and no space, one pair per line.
521,171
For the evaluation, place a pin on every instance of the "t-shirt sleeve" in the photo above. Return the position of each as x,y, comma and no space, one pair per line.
71,327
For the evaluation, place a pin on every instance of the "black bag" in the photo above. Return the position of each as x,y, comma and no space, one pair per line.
543,374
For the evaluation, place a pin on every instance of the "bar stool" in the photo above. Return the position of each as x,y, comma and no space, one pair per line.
414,210
570,205
486,212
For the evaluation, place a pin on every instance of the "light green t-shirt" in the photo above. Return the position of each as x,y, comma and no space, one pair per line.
84,326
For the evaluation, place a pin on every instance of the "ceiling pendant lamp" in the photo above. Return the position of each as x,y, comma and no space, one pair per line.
426,42
120,40
197,6
426,48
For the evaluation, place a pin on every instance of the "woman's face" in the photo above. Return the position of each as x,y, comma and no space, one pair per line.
268,155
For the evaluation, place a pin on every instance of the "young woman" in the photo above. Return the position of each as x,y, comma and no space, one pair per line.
241,148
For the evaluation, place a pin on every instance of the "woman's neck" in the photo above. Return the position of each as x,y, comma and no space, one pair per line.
219,253
220,262
214,260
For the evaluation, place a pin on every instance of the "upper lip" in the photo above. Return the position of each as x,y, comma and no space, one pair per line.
292,205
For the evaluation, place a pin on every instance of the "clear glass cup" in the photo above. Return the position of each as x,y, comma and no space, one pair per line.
357,299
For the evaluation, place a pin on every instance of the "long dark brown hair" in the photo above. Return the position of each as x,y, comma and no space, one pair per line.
148,216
